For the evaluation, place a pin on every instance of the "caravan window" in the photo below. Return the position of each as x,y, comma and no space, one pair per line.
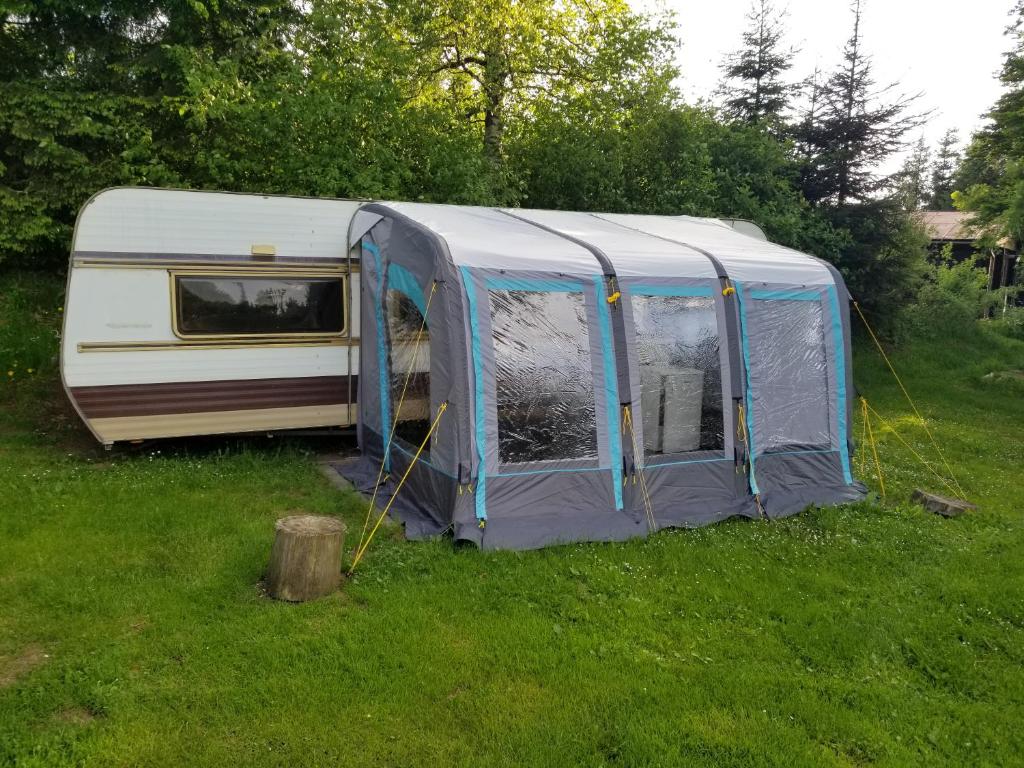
241,305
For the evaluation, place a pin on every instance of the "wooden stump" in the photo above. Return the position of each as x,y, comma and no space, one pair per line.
305,562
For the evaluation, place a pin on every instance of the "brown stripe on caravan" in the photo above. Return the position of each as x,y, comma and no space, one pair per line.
210,396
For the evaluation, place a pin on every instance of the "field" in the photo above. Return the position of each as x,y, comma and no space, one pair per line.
133,630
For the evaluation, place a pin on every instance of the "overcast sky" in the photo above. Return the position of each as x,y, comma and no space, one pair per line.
949,50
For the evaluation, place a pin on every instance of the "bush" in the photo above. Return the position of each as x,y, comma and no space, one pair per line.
31,308
953,297
1011,322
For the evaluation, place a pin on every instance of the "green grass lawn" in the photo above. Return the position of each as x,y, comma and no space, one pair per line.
133,630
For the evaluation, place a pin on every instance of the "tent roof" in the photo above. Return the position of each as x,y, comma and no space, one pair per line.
488,238
745,258
637,245
631,253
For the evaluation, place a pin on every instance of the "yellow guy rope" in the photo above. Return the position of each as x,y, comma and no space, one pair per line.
394,426
362,549
863,434
874,448
958,491
627,421
910,448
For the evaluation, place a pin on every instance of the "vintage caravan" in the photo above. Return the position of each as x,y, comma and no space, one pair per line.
194,312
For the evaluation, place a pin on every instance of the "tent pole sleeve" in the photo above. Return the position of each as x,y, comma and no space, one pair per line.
751,451
611,389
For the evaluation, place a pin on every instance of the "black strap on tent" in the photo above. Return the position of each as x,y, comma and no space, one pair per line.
612,286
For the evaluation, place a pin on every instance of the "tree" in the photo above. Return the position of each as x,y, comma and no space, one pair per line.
117,92
855,126
755,89
851,126
943,178
912,180
497,62
994,169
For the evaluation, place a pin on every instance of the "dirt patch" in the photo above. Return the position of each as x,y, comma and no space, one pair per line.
75,716
13,668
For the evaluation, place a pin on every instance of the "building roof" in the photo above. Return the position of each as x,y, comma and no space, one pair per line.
953,226
947,225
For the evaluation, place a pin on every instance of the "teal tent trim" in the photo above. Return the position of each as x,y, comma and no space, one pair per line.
611,389
528,284
840,355
478,394
786,295
670,290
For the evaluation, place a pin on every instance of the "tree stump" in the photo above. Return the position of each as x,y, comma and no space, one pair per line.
305,562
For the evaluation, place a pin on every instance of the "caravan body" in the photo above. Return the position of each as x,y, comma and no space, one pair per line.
206,312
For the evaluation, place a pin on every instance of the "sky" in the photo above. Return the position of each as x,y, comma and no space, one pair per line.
948,50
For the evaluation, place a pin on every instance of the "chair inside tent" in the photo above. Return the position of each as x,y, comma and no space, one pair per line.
576,376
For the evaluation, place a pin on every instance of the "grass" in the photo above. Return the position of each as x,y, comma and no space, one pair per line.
133,631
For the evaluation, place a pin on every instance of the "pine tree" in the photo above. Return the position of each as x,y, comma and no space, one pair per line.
943,180
755,87
912,190
857,126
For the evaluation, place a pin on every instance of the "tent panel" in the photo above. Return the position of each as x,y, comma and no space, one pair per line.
696,491
791,482
545,508
374,403
544,379
487,238
632,253
745,258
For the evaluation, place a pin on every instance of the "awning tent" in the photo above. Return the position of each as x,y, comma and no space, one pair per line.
603,374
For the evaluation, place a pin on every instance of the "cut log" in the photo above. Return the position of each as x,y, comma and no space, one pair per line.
941,505
305,561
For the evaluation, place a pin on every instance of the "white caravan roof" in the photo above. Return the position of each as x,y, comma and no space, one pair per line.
144,220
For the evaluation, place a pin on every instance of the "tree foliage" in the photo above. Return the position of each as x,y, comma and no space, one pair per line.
851,127
548,103
943,176
755,89
991,181
912,181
